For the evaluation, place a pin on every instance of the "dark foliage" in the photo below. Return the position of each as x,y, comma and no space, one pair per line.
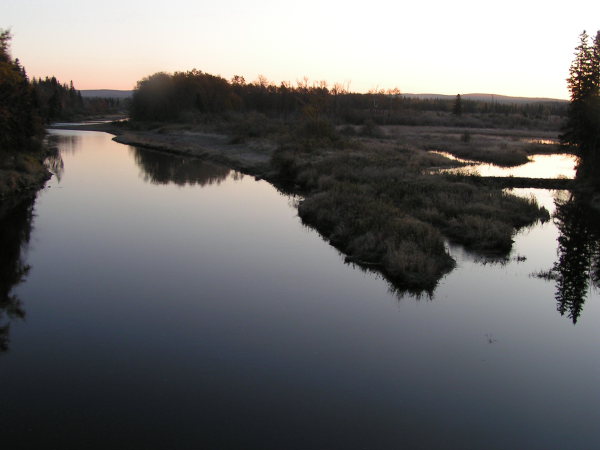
20,125
57,101
15,229
186,96
582,130
578,264
457,109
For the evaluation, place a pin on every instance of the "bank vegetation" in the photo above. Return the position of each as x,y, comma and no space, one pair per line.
361,162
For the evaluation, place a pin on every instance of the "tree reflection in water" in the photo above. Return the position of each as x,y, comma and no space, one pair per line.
578,265
15,230
55,164
160,168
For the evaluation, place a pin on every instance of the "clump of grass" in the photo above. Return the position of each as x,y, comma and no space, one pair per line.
504,148
376,233
318,128
371,129
348,130
249,126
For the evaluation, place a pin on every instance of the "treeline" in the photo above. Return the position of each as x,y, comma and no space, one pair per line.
183,95
56,101
27,106
582,130
540,109
20,122
96,106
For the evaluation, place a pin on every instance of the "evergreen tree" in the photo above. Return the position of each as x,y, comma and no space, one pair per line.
57,101
457,110
19,122
583,125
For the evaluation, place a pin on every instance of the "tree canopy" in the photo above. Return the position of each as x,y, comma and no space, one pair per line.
582,130
19,122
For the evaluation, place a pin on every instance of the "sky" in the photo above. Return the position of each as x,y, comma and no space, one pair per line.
513,47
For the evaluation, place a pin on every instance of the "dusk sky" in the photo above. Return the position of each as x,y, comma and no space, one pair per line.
512,47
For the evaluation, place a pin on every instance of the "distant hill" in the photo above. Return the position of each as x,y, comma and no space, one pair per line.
105,93
114,93
487,98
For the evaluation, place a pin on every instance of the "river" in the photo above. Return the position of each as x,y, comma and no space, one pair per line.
171,304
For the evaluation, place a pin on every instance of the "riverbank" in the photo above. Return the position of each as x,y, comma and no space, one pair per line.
251,158
188,285
373,198
21,176
502,147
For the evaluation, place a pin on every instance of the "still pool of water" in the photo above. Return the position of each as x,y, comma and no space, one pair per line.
539,166
173,304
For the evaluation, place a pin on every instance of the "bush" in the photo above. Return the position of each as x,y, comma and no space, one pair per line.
318,129
371,129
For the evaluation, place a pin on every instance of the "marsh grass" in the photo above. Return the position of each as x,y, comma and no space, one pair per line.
374,201
505,148
369,189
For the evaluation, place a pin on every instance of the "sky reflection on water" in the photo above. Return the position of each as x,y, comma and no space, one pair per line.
540,166
192,314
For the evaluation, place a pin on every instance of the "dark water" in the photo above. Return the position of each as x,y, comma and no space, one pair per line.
171,304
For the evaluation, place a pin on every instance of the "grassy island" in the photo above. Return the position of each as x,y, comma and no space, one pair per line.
362,163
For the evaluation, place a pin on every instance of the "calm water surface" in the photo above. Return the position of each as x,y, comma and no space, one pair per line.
171,304
539,166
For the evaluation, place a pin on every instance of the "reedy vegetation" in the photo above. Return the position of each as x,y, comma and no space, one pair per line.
374,202
369,195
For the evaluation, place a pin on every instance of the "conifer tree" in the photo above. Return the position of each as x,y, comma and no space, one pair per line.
457,109
582,130
19,124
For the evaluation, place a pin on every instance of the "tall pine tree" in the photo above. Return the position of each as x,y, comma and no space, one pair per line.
19,122
582,130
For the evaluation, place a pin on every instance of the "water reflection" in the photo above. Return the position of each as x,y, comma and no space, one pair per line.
15,230
67,141
160,168
55,164
539,166
578,265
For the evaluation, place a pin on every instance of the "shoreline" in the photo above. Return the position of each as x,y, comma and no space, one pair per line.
405,215
25,176
253,159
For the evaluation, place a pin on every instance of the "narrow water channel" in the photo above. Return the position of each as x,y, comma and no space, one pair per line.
173,304
539,166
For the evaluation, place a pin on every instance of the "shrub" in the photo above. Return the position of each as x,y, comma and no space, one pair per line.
371,129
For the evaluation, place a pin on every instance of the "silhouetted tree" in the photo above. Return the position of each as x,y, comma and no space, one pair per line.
457,109
56,101
195,95
19,122
582,130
